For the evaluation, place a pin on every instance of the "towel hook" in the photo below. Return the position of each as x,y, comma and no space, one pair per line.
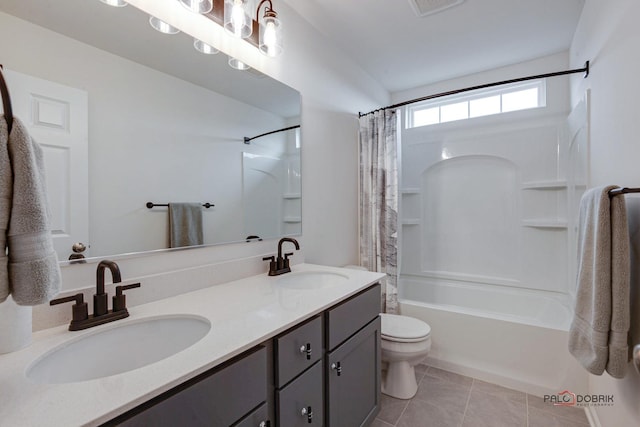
6,102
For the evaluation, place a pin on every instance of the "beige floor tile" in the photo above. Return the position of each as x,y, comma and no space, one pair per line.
423,414
391,409
571,413
496,390
443,394
538,418
488,410
449,376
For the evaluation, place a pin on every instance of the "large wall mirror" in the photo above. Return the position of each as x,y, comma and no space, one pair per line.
160,123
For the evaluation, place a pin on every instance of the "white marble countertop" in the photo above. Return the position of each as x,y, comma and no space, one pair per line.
242,313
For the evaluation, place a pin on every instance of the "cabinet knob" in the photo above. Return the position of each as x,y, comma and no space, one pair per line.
306,349
336,367
308,413
264,424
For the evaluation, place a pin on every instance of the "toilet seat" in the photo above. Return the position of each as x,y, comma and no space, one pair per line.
403,328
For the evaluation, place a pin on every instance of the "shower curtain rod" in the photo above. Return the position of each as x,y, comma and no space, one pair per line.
584,70
248,140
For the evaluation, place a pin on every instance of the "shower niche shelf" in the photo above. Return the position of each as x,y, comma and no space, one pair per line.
410,190
545,223
411,221
545,185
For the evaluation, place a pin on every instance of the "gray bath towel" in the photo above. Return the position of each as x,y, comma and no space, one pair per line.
6,188
598,334
185,224
34,275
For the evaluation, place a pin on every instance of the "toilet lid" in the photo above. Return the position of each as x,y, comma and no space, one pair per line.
403,328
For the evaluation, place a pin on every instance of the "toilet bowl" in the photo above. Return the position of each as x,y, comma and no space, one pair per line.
405,342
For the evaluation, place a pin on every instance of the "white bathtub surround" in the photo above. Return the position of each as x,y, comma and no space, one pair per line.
242,313
598,337
379,200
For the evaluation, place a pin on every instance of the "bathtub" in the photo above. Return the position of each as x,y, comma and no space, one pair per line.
516,338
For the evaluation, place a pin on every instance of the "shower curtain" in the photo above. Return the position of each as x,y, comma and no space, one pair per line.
379,201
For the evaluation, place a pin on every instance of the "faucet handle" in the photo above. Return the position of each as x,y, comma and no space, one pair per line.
80,308
285,262
120,299
271,258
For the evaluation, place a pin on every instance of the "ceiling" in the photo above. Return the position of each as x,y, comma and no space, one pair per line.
402,51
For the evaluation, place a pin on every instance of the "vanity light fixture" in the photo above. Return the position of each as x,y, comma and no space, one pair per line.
162,26
115,3
198,6
270,39
203,47
236,19
237,64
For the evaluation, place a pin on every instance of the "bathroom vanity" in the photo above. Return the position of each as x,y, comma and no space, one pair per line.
301,349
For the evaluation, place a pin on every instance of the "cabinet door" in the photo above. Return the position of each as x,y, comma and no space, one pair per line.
300,403
353,379
216,399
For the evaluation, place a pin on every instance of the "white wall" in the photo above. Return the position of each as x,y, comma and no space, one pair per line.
608,35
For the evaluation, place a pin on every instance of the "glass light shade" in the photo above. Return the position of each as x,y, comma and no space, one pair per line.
115,3
270,41
204,47
198,6
237,64
237,20
162,26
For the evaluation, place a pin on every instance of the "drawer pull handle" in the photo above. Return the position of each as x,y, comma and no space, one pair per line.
308,413
306,349
336,367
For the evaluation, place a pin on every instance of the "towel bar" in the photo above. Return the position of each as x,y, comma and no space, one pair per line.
152,205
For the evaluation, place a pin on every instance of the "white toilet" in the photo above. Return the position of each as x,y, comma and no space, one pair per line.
405,342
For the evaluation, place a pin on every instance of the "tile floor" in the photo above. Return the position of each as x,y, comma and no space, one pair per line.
445,399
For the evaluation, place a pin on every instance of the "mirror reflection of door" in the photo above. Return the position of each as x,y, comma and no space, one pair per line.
57,118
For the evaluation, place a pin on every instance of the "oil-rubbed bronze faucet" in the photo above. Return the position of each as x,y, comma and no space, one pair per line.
101,314
280,265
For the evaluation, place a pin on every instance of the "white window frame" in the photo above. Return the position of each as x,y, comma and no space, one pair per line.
478,94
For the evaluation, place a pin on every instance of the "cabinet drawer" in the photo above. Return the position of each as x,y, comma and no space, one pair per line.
347,318
305,392
257,418
296,350
217,398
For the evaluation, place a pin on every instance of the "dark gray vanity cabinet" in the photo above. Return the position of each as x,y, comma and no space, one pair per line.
324,371
220,397
353,360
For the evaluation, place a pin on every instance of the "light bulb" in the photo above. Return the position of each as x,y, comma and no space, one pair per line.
237,18
237,64
270,38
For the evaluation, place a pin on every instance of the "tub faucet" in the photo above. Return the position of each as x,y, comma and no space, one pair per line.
280,265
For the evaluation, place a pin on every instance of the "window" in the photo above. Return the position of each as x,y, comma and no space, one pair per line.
479,103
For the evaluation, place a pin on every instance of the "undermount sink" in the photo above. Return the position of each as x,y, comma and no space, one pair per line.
118,349
310,279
